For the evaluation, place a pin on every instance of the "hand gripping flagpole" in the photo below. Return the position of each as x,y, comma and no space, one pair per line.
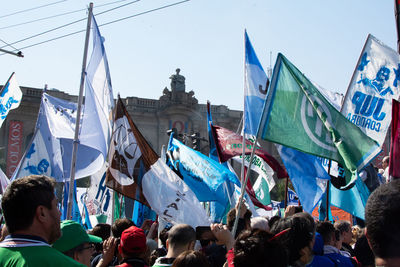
78,115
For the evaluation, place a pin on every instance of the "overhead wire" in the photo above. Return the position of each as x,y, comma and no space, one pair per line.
58,15
30,9
68,24
104,24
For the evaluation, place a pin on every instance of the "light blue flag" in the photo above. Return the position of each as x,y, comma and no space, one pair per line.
141,213
353,200
308,177
50,152
203,175
218,210
75,214
10,97
255,89
96,126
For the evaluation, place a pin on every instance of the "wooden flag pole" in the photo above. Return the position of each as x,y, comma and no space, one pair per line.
78,114
327,192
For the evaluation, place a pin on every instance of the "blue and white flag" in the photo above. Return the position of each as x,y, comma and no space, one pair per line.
4,181
255,89
201,173
96,126
50,152
375,82
308,177
10,97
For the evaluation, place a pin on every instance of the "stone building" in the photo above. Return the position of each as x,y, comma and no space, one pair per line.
176,108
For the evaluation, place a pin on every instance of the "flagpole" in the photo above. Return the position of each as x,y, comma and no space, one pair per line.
78,115
396,15
286,191
242,178
327,192
244,184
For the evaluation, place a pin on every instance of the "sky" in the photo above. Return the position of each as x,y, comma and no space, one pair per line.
204,38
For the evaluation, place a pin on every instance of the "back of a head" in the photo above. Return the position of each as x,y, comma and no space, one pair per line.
258,248
342,226
299,234
191,258
382,223
327,232
101,230
22,197
259,223
120,225
181,235
133,242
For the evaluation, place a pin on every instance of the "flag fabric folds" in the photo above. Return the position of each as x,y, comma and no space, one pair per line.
201,173
4,181
375,82
51,147
10,97
298,116
394,160
229,145
136,171
96,125
308,177
255,89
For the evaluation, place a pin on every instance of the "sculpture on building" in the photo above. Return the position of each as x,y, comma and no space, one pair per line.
177,82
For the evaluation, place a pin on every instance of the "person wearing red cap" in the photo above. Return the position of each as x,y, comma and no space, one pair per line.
132,247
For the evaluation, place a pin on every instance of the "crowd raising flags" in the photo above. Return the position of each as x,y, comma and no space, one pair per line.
288,110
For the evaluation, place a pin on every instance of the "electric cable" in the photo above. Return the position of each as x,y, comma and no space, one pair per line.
58,15
30,9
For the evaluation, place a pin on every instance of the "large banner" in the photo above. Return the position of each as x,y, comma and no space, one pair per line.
15,140
375,82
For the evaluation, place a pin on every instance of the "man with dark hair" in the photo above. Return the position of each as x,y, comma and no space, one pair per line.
33,220
181,237
120,225
327,231
344,228
382,224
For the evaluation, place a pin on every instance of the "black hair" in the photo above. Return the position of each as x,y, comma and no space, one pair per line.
258,248
22,197
382,222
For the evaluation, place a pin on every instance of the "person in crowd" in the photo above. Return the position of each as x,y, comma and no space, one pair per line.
4,233
258,248
363,252
346,234
259,223
101,230
33,220
273,220
191,258
327,231
385,169
181,237
244,222
117,228
132,248
382,224
296,233
75,242
319,260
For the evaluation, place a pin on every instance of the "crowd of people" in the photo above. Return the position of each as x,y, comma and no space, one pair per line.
34,236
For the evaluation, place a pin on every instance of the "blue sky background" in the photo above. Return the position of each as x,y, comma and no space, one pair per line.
204,38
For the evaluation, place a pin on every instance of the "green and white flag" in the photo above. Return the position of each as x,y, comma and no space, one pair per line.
297,115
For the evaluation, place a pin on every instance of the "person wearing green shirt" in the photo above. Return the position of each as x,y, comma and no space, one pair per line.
33,221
